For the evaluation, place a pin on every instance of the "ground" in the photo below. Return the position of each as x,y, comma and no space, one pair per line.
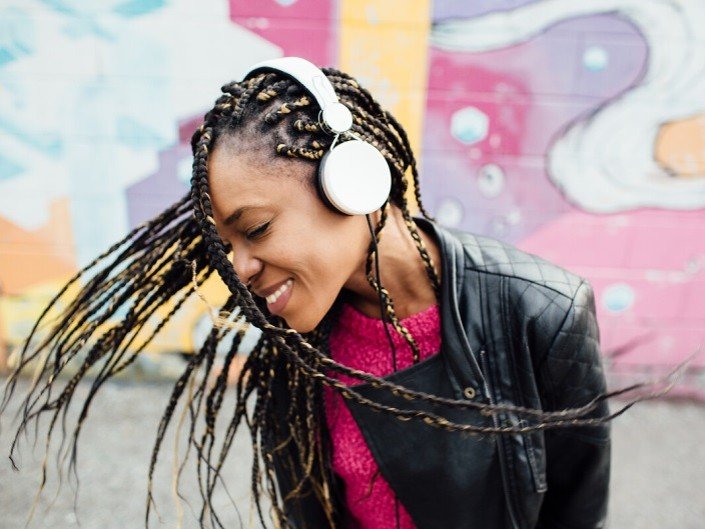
658,464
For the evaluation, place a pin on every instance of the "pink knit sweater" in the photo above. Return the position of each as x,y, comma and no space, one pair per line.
359,341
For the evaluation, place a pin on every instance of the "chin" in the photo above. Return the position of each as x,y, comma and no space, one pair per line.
304,323
301,327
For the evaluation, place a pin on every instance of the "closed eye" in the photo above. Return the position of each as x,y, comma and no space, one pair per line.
258,231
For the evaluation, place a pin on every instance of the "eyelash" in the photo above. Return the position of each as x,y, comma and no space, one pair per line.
258,231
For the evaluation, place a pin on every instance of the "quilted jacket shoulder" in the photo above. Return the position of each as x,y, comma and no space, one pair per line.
490,255
553,306
545,295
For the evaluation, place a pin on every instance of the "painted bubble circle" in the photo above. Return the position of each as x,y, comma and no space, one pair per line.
595,58
499,226
490,180
450,212
469,125
618,297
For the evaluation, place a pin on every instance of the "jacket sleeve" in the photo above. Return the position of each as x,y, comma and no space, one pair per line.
577,457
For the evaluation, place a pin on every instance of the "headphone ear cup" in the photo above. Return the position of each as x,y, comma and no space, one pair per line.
319,185
354,178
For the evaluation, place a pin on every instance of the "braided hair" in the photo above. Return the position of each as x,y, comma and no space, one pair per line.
162,263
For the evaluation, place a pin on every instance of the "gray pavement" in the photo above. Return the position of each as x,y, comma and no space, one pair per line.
658,478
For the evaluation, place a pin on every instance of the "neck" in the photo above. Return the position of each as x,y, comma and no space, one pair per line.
403,271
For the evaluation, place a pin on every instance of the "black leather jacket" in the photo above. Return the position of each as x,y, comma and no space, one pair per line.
518,330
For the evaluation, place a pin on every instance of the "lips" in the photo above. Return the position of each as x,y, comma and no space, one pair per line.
276,305
270,290
282,300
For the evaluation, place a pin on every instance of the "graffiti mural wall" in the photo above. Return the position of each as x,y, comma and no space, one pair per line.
575,130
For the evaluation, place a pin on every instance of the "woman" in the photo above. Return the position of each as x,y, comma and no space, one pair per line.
480,404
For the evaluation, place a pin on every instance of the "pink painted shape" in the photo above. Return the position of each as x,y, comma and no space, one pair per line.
306,28
454,83
660,254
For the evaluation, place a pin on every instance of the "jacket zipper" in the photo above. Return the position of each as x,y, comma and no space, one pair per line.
500,451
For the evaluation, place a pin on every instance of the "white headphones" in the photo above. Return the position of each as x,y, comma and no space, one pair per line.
353,177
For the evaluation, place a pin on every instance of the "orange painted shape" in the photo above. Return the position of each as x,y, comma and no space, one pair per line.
680,147
34,257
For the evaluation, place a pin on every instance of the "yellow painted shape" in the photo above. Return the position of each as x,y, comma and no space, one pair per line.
19,311
384,45
680,147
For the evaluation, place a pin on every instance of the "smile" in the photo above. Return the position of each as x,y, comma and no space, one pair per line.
278,300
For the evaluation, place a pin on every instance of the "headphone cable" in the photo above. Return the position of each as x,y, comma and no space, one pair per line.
379,292
386,330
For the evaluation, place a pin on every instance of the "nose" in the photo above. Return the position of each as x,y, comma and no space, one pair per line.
245,264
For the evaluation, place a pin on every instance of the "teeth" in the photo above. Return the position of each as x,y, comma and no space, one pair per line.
272,298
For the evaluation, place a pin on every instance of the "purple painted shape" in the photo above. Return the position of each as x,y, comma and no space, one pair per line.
465,9
516,212
530,92
627,59
150,196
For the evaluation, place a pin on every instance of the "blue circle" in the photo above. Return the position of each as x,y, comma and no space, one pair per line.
595,58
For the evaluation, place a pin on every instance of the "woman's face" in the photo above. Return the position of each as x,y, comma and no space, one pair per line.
284,231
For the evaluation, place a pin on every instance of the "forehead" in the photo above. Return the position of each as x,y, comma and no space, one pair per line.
238,180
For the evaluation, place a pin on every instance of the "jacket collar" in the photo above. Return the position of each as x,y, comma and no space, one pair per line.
455,306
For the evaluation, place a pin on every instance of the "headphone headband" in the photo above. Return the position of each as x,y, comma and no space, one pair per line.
353,177
335,115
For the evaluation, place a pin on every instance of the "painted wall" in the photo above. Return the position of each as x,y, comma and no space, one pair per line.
575,130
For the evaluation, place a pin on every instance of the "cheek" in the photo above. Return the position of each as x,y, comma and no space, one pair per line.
321,268
337,257
315,251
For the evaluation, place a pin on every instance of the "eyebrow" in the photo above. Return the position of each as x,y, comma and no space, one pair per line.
235,215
